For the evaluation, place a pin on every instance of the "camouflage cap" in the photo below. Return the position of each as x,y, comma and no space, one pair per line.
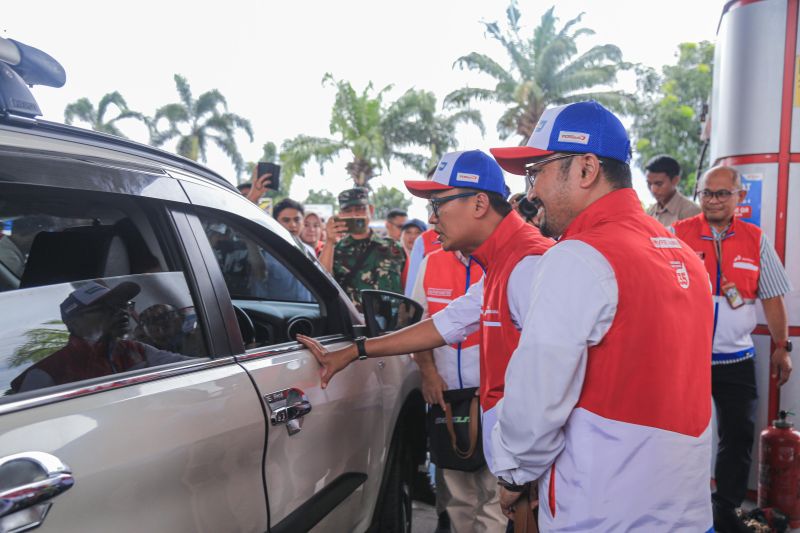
355,196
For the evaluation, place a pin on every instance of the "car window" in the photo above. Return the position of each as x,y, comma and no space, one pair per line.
250,271
86,291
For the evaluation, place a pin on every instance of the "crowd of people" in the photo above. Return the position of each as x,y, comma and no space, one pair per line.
595,334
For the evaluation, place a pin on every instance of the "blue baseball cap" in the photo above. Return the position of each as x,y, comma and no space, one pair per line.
581,128
472,169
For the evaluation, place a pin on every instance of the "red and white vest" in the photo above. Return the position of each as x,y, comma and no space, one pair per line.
430,242
445,280
637,445
510,242
740,264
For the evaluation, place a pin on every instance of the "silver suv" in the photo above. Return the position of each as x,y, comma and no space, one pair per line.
149,376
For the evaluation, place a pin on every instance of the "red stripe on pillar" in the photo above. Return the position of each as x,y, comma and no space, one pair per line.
784,156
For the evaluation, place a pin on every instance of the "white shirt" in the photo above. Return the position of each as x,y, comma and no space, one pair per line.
458,370
463,315
573,299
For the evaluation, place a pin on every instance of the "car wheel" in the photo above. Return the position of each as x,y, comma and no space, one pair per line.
396,509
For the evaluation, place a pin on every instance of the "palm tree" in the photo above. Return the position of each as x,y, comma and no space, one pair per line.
196,122
543,71
375,133
83,110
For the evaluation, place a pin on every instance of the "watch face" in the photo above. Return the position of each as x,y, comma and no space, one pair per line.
788,346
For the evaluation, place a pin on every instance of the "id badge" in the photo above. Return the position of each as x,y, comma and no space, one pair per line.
735,299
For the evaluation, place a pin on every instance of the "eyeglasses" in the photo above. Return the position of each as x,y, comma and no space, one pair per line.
533,169
721,195
436,203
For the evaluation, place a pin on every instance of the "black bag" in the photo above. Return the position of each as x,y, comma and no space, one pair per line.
455,434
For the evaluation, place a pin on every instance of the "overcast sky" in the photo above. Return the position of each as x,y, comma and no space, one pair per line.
268,58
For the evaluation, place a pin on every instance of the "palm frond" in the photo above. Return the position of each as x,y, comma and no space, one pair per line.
297,152
184,91
114,98
81,109
208,102
485,64
466,95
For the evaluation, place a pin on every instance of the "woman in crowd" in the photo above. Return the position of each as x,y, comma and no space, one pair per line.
313,233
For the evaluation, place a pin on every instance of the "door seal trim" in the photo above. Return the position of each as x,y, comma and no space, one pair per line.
313,510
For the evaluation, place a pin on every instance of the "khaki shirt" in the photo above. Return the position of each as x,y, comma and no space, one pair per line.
678,208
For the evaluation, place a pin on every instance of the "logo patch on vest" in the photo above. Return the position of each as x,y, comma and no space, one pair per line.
463,176
433,291
745,263
681,273
665,242
576,137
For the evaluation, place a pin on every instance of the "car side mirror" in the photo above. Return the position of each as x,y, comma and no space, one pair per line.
386,311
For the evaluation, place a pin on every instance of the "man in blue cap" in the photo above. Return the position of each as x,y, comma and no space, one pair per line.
611,415
470,214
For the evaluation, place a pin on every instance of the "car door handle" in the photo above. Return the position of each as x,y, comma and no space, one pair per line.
41,479
297,410
288,407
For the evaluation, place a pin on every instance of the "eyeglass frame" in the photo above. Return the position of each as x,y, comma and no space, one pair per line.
531,177
436,203
721,195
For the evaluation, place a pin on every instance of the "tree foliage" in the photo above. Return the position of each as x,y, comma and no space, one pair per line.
40,342
543,69
321,196
196,122
671,103
375,133
83,110
385,199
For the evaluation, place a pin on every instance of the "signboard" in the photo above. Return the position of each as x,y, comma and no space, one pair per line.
323,210
750,209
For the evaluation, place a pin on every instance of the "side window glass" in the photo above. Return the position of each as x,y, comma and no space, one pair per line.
86,292
250,271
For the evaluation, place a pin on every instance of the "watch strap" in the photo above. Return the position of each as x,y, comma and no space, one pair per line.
362,351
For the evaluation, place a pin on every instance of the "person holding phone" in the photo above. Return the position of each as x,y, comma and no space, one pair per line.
356,256
266,177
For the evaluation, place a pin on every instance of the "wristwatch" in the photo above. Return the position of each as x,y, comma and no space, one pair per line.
788,345
510,486
362,351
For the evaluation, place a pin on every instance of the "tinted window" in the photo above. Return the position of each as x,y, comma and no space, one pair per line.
86,290
250,271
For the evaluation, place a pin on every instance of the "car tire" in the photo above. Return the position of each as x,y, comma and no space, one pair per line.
396,506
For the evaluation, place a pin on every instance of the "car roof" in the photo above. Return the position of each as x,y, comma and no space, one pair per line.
103,140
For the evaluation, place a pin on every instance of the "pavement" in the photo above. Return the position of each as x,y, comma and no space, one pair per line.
423,518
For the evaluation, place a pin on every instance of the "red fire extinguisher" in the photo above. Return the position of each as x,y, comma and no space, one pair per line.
779,469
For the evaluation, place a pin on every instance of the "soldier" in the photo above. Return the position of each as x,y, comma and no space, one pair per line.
361,259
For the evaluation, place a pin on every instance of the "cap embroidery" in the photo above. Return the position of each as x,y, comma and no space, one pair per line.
573,137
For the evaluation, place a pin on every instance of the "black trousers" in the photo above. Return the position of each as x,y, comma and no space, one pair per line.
734,390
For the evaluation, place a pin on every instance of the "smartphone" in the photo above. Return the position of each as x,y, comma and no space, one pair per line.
270,168
357,225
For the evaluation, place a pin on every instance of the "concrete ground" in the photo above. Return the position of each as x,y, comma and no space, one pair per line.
423,518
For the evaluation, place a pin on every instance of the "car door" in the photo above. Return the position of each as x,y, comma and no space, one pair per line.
157,430
324,447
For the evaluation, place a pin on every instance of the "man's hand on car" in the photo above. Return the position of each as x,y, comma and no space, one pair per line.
331,362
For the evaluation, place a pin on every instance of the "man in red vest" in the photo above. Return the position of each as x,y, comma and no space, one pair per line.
470,213
743,267
610,412
469,497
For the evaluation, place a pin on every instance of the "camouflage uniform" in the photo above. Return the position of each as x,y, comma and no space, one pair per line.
381,270
382,267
